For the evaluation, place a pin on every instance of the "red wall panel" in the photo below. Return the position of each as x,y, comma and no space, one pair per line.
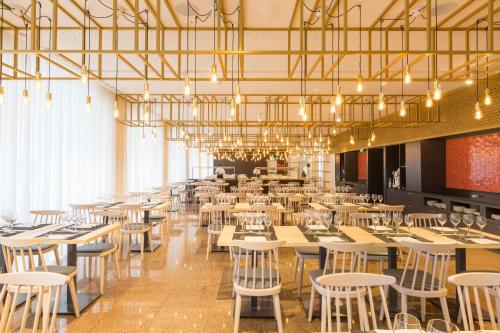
473,163
363,165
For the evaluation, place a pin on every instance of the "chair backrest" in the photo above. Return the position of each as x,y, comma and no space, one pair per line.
260,199
391,208
346,257
479,283
357,284
361,219
424,220
220,215
256,264
345,211
47,288
83,210
353,199
132,212
46,216
107,216
432,275
226,199
19,254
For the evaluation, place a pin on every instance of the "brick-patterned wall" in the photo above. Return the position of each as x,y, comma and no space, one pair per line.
363,165
457,116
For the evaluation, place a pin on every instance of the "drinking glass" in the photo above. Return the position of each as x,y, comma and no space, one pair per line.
407,323
455,220
468,221
327,220
441,326
374,198
441,219
481,223
386,220
267,223
375,220
398,219
409,221
380,198
10,218
337,222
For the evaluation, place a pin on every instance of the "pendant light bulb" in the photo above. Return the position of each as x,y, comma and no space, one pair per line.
25,97
38,80
338,97
381,102
428,99
469,81
351,140
2,95
369,143
238,95
478,114
213,78
407,75
487,97
437,94
372,138
304,117
187,87
333,108
359,86
143,137
302,108
147,112
402,109
146,91
88,104
116,111
84,74
233,108
194,108
48,100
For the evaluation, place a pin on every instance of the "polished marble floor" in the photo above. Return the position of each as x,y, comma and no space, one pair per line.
176,290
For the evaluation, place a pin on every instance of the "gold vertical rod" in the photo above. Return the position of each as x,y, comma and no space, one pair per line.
16,46
241,38
450,56
54,24
428,28
346,22
115,24
158,24
136,25
491,13
323,36
370,55
33,24
407,25
99,56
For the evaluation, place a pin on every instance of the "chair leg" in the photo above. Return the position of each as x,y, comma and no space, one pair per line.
102,273
74,297
209,244
404,303
150,232
142,245
311,304
277,310
89,262
323,314
237,311
422,309
295,265
301,275
56,255
444,307
117,266
386,293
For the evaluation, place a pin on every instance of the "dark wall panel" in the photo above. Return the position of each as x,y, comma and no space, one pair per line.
413,166
245,167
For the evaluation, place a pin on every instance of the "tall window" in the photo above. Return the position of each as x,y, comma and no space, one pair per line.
52,157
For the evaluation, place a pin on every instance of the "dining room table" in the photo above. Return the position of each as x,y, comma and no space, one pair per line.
302,236
70,237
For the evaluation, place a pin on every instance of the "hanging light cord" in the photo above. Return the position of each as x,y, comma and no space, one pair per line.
1,43
26,55
50,45
338,45
360,39
402,73
187,37
116,71
195,57
332,80
477,61
380,56
215,8
88,31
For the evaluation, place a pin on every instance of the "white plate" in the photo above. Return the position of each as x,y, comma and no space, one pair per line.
254,227
317,227
334,239
255,239
400,239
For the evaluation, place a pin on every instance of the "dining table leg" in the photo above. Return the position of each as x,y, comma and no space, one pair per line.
460,267
392,263
148,243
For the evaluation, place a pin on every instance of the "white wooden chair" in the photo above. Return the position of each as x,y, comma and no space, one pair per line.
353,286
83,210
341,258
19,258
424,220
219,216
423,282
487,284
103,249
345,211
45,286
134,226
48,217
256,273
366,220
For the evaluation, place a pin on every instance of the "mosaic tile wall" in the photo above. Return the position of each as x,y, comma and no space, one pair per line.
473,163
363,165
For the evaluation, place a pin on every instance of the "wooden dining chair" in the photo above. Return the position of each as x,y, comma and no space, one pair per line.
427,281
483,286
366,220
48,217
102,249
83,210
353,287
424,220
340,258
345,211
133,225
219,216
42,289
256,274
20,258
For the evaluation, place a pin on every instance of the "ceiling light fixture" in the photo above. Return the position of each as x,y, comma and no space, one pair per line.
187,83
469,81
381,102
487,100
338,96
402,108
437,93
359,86
25,90
213,77
478,113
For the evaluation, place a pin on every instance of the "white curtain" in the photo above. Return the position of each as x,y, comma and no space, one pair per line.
177,162
53,157
144,159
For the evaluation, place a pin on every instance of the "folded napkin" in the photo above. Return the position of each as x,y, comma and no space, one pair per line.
317,227
334,239
445,229
255,239
379,228
484,241
254,227
405,239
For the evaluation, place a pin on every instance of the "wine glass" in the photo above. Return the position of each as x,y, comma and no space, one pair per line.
398,219
386,220
10,218
481,223
468,221
441,219
455,220
375,220
380,198
404,322
327,220
267,223
409,221
441,326
374,198
337,222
